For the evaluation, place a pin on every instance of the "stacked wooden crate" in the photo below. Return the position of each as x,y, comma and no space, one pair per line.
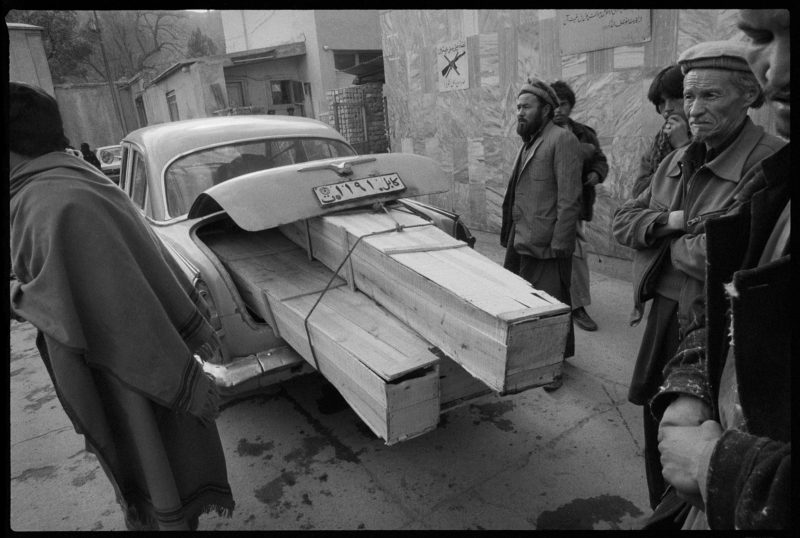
384,370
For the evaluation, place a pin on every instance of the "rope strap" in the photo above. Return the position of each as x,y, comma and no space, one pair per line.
398,228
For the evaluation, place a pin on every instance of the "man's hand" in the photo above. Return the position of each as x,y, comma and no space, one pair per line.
677,130
685,410
674,224
592,178
684,452
675,220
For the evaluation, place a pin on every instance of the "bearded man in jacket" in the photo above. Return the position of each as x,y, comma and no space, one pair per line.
666,223
725,406
118,324
543,200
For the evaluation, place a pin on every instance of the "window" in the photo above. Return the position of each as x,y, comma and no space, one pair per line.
172,105
192,174
286,92
140,112
138,180
345,60
235,94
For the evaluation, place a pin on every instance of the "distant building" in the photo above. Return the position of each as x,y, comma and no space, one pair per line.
334,42
27,61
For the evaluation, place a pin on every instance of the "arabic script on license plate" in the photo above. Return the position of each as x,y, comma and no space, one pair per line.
337,193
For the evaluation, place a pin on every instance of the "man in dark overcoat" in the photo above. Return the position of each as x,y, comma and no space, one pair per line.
725,405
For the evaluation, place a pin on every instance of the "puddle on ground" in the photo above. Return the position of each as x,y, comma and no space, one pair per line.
493,413
605,511
246,448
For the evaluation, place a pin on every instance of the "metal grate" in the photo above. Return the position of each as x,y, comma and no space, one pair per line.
359,114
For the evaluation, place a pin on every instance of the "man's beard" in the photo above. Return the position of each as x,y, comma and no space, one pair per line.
529,128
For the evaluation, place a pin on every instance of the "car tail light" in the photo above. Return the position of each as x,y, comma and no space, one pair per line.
212,315
107,157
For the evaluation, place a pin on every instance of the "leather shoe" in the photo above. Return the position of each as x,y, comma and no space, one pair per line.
554,384
583,320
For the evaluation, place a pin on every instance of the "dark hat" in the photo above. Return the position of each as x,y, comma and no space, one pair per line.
727,55
563,91
541,90
34,122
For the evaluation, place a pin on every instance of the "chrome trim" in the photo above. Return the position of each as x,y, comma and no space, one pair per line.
342,167
236,373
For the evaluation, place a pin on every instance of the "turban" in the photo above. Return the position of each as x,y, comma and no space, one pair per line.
540,89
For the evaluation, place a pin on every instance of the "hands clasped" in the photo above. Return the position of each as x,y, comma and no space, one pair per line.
686,439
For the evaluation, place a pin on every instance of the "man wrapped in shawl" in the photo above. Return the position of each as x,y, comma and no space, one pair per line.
119,325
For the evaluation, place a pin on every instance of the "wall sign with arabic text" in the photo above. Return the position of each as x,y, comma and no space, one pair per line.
452,65
583,30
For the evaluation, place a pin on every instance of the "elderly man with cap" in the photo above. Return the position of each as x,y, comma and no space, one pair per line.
665,224
119,325
725,435
543,200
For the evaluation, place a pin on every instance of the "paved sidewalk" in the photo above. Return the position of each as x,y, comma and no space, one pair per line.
298,458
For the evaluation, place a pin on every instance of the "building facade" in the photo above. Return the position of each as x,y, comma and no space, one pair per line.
334,40
469,127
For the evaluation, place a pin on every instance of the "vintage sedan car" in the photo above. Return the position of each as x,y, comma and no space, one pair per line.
181,174
110,158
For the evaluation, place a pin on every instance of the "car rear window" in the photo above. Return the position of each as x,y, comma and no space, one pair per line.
189,176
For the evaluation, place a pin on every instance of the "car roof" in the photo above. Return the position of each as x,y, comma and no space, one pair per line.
164,141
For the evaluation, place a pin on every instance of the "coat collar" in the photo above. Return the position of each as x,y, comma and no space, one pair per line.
548,127
729,164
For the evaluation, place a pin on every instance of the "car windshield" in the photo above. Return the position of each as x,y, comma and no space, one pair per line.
189,176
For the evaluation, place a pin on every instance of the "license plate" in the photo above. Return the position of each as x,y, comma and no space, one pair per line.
337,193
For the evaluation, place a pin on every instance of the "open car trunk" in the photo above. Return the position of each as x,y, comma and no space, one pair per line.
402,318
395,380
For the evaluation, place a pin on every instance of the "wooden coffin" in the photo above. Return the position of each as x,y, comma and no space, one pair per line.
491,322
388,374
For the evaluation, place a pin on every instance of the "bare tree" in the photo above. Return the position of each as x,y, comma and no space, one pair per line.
139,40
68,44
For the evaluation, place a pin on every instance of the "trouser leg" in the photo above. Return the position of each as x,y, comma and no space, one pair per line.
579,286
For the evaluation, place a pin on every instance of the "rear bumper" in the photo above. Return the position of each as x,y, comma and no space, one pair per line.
252,372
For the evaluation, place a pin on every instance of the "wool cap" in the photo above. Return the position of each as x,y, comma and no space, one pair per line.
34,122
541,90
727,55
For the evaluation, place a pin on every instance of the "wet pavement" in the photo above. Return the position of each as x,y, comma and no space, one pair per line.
300,459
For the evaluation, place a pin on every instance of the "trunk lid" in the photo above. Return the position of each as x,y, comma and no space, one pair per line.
270,198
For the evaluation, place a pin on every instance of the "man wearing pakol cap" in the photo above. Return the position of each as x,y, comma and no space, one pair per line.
118,326
543,200
725,435
665,224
